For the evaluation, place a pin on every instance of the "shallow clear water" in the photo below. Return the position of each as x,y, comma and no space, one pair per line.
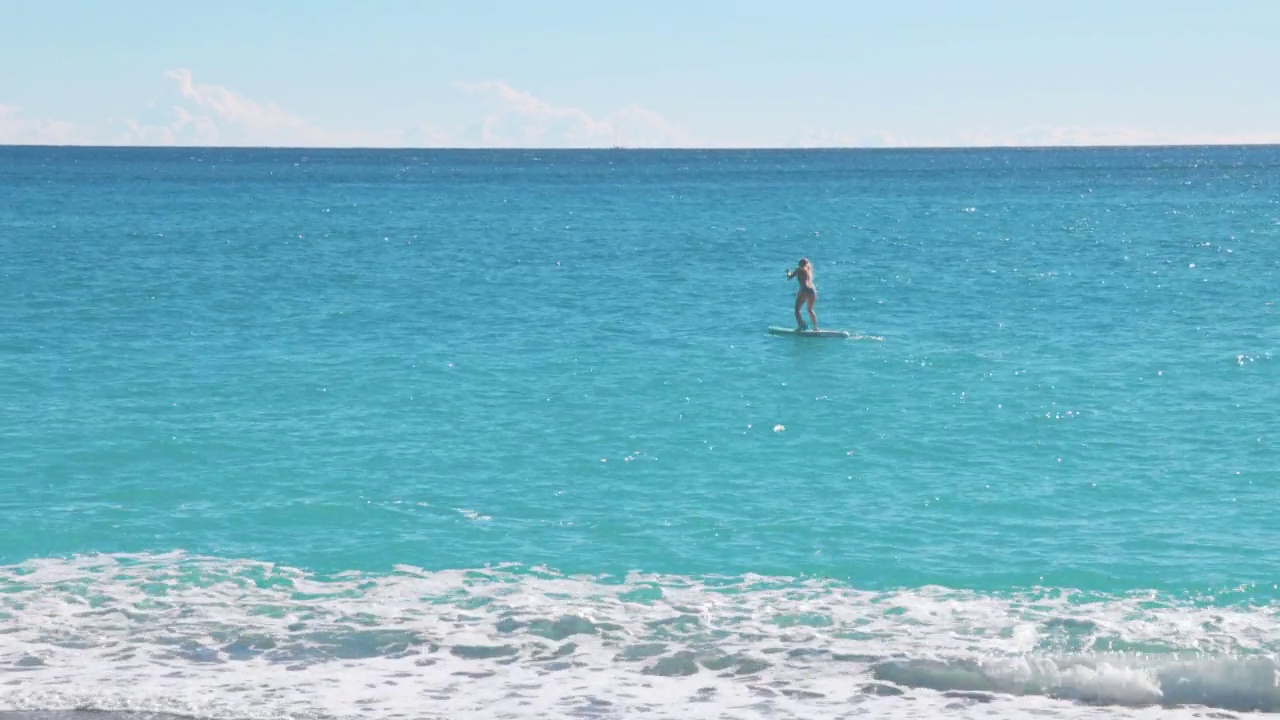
394,416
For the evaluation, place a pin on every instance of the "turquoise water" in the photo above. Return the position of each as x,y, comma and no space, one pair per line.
394,416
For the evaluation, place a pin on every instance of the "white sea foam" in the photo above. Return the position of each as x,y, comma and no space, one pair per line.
238,639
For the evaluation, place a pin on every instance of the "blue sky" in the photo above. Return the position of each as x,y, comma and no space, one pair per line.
711,73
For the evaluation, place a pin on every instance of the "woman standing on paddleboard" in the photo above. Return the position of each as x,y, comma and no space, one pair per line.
807,293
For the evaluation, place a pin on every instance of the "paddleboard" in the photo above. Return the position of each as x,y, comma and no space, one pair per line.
775,330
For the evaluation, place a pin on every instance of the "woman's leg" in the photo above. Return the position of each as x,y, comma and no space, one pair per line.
813,318
800,296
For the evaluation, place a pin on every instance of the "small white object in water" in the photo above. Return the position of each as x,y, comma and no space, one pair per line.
778,428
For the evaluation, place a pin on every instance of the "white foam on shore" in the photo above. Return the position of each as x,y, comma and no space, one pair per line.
229,639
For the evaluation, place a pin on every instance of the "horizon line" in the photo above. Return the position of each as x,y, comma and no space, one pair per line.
615,148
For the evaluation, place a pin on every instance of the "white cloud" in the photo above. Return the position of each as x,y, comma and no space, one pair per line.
17,128
208,115
185,129
204,114
520,119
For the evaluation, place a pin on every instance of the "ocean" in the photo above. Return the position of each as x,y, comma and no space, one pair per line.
338,434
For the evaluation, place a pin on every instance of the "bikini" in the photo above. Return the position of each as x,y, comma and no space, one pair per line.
808,288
